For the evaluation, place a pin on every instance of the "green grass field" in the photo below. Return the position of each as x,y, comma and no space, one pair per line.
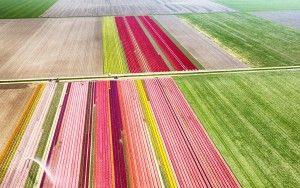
253,118
254,41
24,8
261,5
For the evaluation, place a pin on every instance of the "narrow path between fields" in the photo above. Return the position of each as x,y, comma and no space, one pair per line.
148,75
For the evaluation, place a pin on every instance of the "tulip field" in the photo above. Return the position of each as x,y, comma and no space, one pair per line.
140,45
149,93
111,43
137,133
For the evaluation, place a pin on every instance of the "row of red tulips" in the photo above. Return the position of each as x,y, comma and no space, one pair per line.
141,54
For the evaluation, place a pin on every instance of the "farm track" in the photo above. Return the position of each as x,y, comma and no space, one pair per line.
35,48
81,8
209,54
130,147
150,74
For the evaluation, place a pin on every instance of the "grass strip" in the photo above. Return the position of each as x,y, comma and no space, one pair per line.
150,74
156,139
114,58
253,120
24,8
253,40
92,164
47,126
13,142
261,5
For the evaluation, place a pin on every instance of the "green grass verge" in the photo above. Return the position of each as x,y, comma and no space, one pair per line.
114,57
47,126
261,5
253,118
251,39
24,8
92,159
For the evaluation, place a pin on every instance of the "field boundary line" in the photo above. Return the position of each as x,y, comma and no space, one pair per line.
146,75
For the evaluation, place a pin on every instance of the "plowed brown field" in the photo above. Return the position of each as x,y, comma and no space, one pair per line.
288,18
12,101
35,48
67,8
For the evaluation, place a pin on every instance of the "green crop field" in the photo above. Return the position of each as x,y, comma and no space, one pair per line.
253,40
261,5
253,118
24,8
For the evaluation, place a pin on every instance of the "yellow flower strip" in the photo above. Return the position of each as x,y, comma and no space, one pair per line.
14,140
114,57
157,142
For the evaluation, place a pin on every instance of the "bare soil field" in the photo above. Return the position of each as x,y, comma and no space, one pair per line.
35,48
288,18
67,8
12,101
209,54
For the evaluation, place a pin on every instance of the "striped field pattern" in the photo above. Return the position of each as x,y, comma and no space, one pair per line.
138,44
127,133
253,118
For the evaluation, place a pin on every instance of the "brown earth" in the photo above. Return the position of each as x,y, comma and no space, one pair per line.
208,53
13,98
288,18
67,8
35,48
